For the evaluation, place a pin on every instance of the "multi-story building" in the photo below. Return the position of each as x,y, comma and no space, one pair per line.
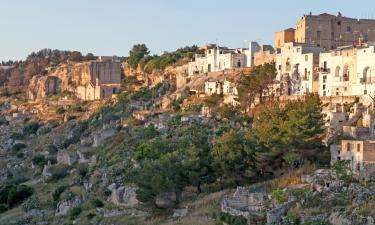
348,71
360,155
297,69
216,58
328,31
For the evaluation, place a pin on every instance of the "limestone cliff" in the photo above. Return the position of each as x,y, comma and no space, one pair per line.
68,76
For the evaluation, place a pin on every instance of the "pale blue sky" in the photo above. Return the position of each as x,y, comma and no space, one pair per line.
111,27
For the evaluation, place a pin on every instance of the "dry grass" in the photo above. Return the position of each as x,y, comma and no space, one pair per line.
293,177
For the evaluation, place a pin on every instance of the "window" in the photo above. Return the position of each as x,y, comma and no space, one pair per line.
324,87
348,146
338,158
318,34
209,51
339,23
348,29
306,58
358,147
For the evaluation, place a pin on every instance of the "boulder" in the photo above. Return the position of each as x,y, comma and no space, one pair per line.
124,196
63,207
66,158
177,213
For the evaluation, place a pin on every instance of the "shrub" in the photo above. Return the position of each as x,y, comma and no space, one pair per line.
17,194
31,203
17,147
74,212
232,220
31,128
280,196
142,151
97,203
39,160
83,171
52,149
3,207
17,136
58,191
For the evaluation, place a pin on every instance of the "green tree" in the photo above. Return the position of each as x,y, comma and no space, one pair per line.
233,155
255,83
136,54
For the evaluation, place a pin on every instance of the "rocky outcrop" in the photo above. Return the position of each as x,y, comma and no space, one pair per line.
69,76
64,206
124,196
66,158
42,86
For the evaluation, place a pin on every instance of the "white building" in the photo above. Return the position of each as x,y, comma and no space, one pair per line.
348,71
297,69
213,86
216,58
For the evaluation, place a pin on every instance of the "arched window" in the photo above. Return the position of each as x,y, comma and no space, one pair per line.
337,71
239,63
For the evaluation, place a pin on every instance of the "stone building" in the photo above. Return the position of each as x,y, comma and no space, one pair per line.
213,86
266,54
328,31
297,69
284,36
359,153
348,71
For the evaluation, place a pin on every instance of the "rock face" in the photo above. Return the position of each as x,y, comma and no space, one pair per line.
124,196
42,86
69,76
64,206
66,158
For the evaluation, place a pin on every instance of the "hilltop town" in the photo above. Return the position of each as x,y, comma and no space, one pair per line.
280,133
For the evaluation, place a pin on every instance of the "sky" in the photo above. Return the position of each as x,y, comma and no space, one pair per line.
112,27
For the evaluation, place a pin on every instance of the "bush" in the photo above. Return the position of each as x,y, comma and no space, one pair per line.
31,203
232,220
15,194
17,147
3,207
280,196
17,136
31,128
83,171
56,194
52,149
74,212
97,203
39,160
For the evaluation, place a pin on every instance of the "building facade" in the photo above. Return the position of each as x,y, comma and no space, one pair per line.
216,58
330,31
284,36
348,71
98,79
297,69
